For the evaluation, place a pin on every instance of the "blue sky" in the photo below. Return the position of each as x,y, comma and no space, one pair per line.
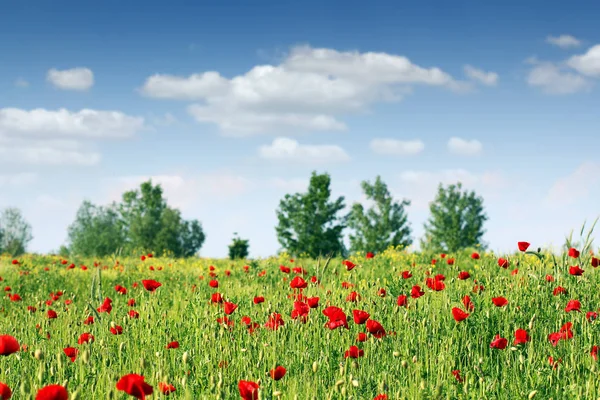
230,105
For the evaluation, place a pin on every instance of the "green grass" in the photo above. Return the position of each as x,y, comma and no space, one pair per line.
414,363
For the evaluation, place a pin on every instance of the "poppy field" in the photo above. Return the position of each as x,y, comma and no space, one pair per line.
396,325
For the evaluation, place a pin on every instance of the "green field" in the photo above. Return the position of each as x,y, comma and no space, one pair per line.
415,359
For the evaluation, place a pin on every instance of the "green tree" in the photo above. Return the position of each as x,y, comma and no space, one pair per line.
381,226
142,221
239,248
15,232
309,222
456,220
96,231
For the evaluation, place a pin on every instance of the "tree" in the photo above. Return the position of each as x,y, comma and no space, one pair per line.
383,225
15,232
309,222
456,220
141,222
238,248
96,231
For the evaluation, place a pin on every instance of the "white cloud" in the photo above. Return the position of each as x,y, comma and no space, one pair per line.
22,83
465,147
485,78
397,147
574,187
290,150
564,41
41,154
587,64
71,79
20,179
309,90
552,79
41,122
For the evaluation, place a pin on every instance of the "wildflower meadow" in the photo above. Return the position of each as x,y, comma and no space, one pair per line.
396,325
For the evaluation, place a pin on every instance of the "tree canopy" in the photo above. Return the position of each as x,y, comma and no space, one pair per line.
456,220
15,232
309,222
382,225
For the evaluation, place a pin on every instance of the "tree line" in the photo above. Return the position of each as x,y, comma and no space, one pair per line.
309,223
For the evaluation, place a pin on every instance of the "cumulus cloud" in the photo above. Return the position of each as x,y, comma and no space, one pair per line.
20,179
587,64
290,150
465,147
41,122
564,41
553,79
309,90
485,78
79,79
397,147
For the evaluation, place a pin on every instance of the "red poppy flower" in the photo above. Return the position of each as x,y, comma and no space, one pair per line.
131,302
278,372
468,303
216,298
337,317
591,315
435,284
229,308
354,352
134,385
284,269
143,258
299,270
402,301
165,388
450,261
381,397
51,314
559,290
502,262
594,353
213,283
375,328
151,285
459,315
573,305
116,330
106,306
349,265
433,261
443,255
462,275
313,302
576,271
499,343
456,374
416,292
369,255
8,345
52,392
300,311
499,301
549,278
71,352
573,253
382,292
274,322
120,289
15,297
248,390
406,274
523,246
353,297
347,285
475,256
360,317
521,336
15,262
258,300
173,345
298,283
85,338
362,337
134,314
5,392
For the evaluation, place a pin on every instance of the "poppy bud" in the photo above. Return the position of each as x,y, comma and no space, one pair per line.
531,322
342,370
414,360
121,347
40,374
185,357
343,391
75,396
38,354
85,356
277,393
340,382
396,354
533,393
315,367
404,364
354,383
422,385
143,363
